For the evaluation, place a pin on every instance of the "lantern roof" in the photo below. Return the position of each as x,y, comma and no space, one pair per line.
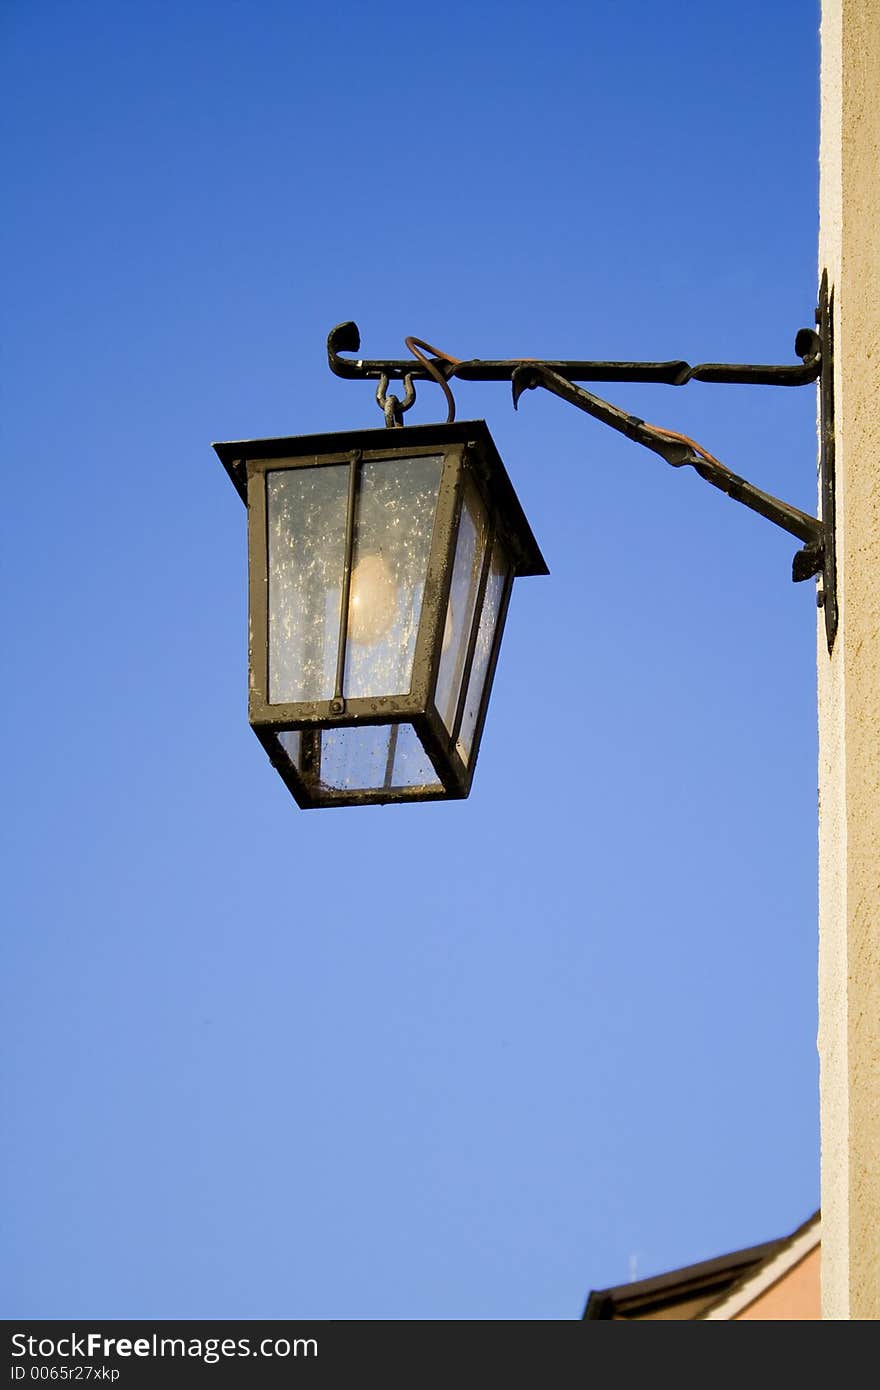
234,455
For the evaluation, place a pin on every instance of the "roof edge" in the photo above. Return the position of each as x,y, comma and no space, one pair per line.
746,1290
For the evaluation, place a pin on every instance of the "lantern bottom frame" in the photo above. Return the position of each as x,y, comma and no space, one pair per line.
384,761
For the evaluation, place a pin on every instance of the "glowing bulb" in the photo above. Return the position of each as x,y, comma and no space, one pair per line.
372,605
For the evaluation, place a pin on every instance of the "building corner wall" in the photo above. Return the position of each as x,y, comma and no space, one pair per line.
849,680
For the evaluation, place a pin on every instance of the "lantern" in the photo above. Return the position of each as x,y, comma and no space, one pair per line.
381,564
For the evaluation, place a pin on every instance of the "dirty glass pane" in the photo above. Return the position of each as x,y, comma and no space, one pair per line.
375,758
466,569
382,756
290,742
397,500
306,541
495,582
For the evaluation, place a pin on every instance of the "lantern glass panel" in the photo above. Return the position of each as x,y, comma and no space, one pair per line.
306,509
496,582
469,551
375,758
396,503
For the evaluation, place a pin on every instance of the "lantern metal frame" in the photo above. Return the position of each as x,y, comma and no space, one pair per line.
468,451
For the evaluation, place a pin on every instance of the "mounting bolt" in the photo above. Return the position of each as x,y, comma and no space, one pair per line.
337,706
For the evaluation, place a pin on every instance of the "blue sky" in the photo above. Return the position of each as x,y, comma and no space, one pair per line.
454,1061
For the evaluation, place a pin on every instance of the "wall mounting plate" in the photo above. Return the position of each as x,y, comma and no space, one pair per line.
828,590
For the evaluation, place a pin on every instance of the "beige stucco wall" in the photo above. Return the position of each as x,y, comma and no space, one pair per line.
849,681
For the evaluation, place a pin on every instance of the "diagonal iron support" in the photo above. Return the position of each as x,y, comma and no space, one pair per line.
679,452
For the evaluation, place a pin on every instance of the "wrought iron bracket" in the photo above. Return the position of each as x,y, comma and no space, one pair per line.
817,556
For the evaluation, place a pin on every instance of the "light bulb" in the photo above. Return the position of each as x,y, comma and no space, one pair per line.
372,604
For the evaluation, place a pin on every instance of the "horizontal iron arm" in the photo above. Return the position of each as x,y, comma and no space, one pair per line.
345,337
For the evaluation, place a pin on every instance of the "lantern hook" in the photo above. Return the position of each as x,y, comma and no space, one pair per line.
391,406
